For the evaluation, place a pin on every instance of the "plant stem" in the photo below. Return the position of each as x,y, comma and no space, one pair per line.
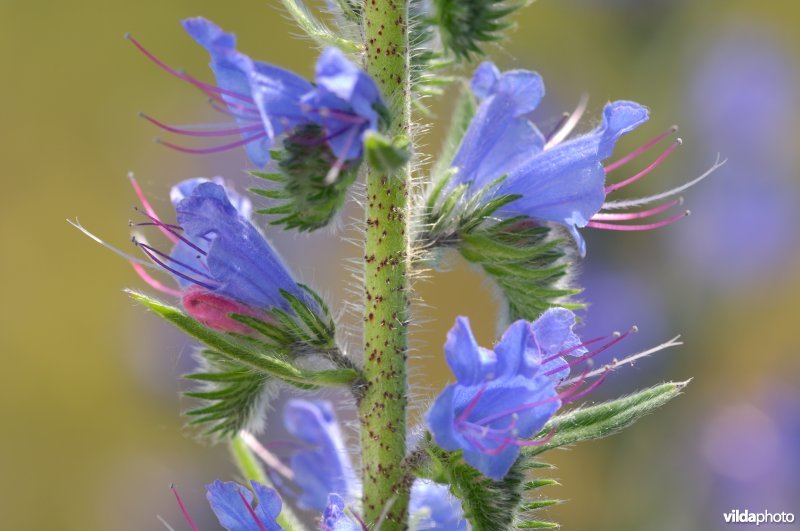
382,408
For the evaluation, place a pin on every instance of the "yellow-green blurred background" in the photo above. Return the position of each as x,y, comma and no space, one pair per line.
91,432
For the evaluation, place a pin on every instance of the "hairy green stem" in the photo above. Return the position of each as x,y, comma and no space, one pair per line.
382,408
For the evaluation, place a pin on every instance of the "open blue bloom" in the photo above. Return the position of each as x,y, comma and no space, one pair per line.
267,101
322,466
500,399
433,507
233,505
334,517
558,181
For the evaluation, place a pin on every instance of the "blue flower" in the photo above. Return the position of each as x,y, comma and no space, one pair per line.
500,399
325,476
221,262
334,517
267,101
322,467
558,181
433,507
233,505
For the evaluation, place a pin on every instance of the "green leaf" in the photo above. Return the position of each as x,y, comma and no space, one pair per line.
315,29
273,363
488,505
463,112
602,420
232,396
386,155
305,198
466,25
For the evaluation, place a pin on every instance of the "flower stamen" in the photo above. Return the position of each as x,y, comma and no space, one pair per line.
183,508
648,226
634,154
616,186
215,149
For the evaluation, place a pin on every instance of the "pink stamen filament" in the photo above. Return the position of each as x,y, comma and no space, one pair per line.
616,186
228,112
151,213
471,405
629,157
591,387
610,216
591,354
649,226
187,132
172,233
538,442
525,407
489,451
183,509
251,511
216,149
144,275
181,75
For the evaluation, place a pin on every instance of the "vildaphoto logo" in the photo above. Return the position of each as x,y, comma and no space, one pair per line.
765,517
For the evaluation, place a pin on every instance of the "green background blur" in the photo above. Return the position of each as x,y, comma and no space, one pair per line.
91,432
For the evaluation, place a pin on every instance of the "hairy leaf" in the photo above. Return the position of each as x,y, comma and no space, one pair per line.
601,420
466,25
305,198
315,29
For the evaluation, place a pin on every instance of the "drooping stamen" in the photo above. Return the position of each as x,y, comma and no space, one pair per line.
151,253
525,407
151,213
630,156
569,124
153,283
172,232
590,355
628,203
216,149
337,167
538,442
606,216
616,186
228,112
189,132
572,349
649,226
471,405
591,387
265,455
183,508
251,511
186,77
489,451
